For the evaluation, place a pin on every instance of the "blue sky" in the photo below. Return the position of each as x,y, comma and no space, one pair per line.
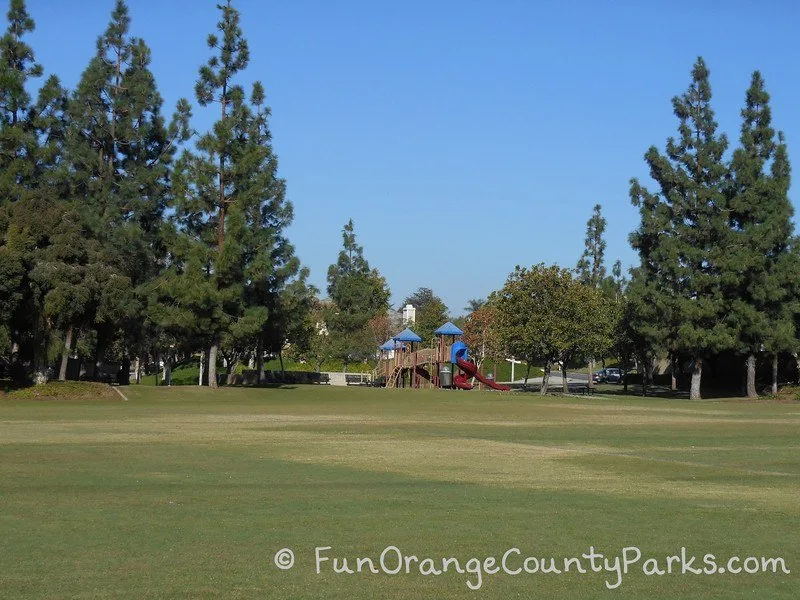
463,138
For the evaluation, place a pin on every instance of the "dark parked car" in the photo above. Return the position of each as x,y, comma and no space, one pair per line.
610,375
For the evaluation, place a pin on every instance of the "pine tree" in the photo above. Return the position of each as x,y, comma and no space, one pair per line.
18,138
761,265
120,151
591,269
17,148
231,262
38,240
358,293
684,230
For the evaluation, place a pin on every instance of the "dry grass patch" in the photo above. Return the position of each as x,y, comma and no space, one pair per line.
65,390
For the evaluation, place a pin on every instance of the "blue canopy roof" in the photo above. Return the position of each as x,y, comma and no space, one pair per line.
448,329
407,336
391,345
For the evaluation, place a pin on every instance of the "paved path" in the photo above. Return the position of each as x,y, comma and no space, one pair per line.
555,379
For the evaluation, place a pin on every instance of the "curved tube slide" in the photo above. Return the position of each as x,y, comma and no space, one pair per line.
472,371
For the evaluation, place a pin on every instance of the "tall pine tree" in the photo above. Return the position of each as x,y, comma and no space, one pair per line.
17,158
120,151
358,294
761,262
38,239
684,229
230,258
591,268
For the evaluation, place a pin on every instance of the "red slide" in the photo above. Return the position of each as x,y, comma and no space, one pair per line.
460,381
471,370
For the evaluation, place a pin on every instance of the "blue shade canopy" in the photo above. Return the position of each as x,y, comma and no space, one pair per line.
407,336
448,329
391,345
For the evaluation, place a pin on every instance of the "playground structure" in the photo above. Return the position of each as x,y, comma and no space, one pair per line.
404,364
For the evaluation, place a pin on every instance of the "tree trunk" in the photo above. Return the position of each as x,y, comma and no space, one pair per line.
527,374
651,371
564,383
545,378
642,367
775,373
99,351
62,372
232,365
673,367
591,373
168,368
157,361
212,365
283,371
751,376
201,377
697,374
260,360
797,360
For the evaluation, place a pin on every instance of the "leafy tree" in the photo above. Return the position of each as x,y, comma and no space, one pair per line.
543,314
429,318
316,345
761,263
684,225
421,298
474,304
431,312
614,285
358,294
481,334
382,328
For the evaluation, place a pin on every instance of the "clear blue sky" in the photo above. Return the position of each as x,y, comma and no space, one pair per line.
464,137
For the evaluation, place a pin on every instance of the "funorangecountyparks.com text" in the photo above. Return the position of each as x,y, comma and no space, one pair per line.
516,562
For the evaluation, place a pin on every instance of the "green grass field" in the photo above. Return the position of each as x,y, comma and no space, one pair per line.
189,493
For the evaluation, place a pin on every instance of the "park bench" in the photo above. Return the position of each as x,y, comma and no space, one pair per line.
108,373
582,389
359,379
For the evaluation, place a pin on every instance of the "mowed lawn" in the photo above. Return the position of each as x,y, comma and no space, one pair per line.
189,493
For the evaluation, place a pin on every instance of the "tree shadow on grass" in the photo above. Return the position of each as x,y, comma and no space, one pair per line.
664,392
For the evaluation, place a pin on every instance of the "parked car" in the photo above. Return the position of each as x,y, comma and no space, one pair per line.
609,375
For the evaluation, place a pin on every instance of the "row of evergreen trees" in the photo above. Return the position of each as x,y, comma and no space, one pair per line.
720,265
124,233
114,239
